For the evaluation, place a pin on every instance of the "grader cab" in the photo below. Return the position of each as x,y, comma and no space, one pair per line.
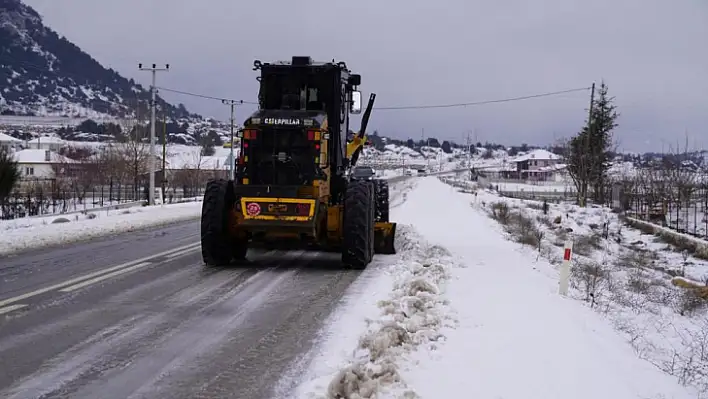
292,186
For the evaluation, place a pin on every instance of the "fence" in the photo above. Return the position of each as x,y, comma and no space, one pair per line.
521,190
47,197
688,215
685,215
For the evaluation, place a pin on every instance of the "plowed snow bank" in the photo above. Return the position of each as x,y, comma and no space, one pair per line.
410,317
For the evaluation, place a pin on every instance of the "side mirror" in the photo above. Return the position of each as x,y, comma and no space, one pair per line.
355,80
356,103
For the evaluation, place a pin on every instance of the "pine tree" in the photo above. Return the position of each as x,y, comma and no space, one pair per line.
604,117
589,153
9,173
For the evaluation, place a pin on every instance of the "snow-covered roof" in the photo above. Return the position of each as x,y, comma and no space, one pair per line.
499,168
192,160
536,154
4,138
550,168
39,156
622,169
401,150
46,140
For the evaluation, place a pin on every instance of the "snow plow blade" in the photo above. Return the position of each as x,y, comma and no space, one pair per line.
384,237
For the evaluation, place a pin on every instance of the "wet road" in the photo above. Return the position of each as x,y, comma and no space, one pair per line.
140,316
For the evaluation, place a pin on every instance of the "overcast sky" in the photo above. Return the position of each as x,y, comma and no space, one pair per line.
653,54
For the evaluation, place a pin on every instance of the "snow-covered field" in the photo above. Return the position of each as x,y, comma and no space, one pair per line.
463,312
541,188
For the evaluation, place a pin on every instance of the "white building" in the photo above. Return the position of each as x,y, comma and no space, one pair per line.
40,164
8,142
46,143
539,165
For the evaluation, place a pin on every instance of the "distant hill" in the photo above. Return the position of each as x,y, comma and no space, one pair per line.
44,74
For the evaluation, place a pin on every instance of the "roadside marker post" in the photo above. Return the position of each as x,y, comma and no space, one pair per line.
565,268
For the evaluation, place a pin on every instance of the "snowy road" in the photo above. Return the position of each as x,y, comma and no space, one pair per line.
111,319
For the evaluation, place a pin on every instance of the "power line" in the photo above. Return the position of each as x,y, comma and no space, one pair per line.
187,93
503,100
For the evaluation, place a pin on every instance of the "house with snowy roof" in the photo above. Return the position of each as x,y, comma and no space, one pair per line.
8,142
539,165
51,143
41,164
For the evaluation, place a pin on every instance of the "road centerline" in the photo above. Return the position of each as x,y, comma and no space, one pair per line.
93,275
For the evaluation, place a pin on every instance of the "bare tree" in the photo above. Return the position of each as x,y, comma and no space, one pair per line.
683,179
578,165
134,153
190,174
653,188
78,168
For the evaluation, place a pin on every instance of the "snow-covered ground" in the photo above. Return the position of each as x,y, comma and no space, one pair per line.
554,186
463,312
29,233
633,279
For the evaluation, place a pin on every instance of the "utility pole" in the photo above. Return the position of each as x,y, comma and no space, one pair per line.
232,161
153,89
164,155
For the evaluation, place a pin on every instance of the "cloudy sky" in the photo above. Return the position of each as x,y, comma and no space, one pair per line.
653,54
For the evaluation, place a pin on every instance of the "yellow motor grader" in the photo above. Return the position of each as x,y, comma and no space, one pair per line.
293,187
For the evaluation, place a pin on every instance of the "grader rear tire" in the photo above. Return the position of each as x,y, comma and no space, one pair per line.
358,225
372,215
217,246
382,203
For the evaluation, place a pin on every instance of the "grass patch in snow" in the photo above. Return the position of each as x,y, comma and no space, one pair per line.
521,227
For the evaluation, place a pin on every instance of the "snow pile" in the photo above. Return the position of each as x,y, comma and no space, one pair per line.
21,234
412,310
412,318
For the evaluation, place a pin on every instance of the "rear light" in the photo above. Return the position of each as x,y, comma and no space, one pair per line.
250,134
245,144
317,146
311,135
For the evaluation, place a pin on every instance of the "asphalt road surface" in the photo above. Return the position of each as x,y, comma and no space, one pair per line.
139,316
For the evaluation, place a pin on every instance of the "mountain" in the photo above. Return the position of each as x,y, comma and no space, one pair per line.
42,73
